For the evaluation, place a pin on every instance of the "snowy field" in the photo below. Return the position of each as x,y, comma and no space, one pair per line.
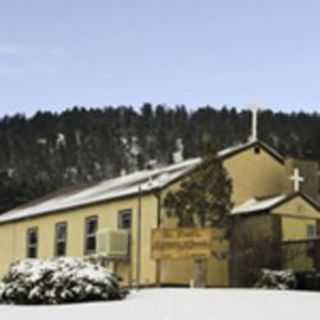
195,304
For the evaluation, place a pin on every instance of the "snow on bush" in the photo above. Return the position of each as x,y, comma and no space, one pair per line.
276,279
55,281
1,290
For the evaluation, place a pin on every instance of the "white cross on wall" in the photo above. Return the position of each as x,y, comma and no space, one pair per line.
297,179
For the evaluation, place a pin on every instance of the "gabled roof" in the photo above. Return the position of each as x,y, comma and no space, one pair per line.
132,184
142,181
228,152
256,205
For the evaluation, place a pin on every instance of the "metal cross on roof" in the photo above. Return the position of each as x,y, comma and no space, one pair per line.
297,179
254,122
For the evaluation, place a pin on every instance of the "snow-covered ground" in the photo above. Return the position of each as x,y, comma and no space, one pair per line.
186,304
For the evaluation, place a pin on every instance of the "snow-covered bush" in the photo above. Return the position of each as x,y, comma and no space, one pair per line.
55,281
276,279
1,290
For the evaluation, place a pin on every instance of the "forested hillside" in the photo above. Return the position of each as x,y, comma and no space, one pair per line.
49,151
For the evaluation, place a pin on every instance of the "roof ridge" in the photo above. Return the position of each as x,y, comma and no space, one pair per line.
116,187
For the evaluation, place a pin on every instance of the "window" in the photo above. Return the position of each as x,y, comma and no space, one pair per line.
125,219
32,243
61,239
311,231
91,234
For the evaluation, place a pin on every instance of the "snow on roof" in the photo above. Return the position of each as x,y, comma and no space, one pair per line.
141,181
254,205
131,184
234,148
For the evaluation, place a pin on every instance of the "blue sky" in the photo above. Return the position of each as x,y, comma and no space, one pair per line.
61,53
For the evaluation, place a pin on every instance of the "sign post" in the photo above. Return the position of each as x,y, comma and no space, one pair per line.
200,267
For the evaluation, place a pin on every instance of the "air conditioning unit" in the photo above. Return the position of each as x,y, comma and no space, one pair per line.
113,243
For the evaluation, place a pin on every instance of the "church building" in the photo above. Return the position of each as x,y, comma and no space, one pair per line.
275,198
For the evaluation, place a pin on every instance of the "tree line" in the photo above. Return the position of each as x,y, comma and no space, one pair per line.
49,150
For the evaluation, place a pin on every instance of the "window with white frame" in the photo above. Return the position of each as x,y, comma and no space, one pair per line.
311,231
91,227
32,242
61,239
125,219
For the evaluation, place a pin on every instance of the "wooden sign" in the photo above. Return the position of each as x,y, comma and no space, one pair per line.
182,243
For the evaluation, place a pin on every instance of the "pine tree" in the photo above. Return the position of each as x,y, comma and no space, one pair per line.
29,155
204,198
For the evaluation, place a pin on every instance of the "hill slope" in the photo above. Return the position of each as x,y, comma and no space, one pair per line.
50,151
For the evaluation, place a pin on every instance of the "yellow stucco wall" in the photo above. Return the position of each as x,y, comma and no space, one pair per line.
254,175
13,240
298,208
13,235
296,254
180,272
295,228
296,215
